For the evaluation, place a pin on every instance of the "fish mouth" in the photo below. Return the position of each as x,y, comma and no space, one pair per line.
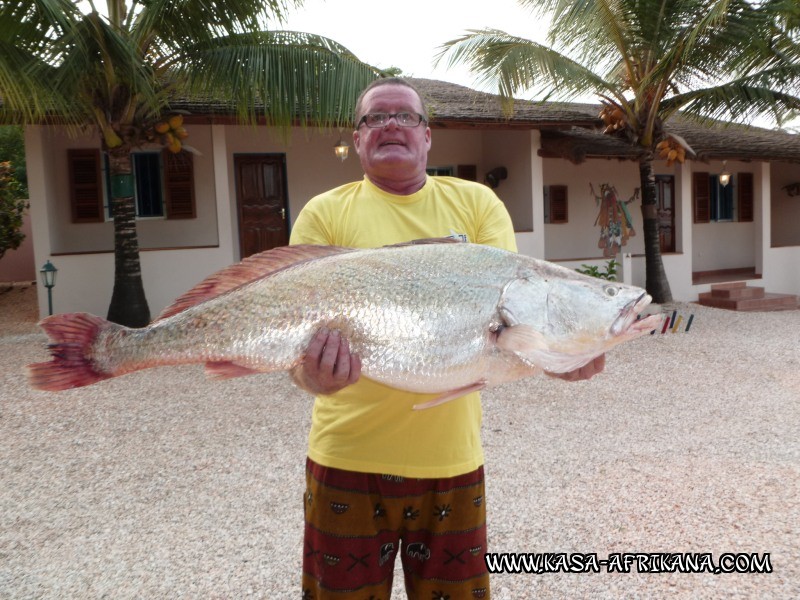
627,322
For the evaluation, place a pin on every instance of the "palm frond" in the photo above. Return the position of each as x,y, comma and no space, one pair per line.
30,50
177,24
513,64
104,70
282,76
742,100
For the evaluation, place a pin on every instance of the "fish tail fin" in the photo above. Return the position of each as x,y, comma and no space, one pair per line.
72,336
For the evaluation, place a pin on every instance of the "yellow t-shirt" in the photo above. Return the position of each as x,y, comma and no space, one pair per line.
369,427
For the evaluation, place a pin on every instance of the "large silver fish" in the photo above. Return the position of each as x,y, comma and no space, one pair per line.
443,318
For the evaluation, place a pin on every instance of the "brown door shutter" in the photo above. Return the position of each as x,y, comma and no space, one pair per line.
558,204
468,172
179,185
701,196
745,197
85,185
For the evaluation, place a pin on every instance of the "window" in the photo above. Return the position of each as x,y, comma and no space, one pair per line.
721,199
149,193
555,204
441,171
147,186
163,185
715,202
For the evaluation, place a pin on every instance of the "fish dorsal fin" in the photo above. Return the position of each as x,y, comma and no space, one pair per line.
250,269
423,241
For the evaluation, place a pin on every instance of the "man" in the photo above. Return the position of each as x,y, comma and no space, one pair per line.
382,479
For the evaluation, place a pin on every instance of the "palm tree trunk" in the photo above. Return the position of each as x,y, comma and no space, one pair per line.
128,302
656,281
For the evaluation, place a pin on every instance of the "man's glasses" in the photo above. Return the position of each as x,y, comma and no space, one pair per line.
403,119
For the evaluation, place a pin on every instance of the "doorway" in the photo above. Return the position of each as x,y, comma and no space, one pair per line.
261,201
665,204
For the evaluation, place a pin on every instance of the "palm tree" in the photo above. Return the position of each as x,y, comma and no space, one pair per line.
118,72
646,60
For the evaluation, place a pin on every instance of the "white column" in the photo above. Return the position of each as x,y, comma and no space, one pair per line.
38,189
762,216
227,226
535,244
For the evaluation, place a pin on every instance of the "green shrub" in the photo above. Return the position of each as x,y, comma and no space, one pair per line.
609,273
11,211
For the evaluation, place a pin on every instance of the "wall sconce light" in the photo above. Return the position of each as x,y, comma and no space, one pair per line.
793,189
48,273
495,176
341,150
724,177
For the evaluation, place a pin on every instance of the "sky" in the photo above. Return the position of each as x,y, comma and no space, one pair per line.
407,34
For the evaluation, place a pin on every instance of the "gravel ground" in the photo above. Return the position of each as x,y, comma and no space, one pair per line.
160,484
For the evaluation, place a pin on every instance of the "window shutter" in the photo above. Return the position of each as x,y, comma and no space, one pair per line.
468,172
179,185
701,196
85,185
745,197
558,204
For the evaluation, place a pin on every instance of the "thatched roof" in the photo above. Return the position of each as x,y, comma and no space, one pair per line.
453,106
573,131
568,130
710,141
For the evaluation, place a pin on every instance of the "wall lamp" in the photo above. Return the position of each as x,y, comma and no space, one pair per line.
495,176
341,150
724,176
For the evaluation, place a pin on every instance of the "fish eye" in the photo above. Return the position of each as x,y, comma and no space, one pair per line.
611,290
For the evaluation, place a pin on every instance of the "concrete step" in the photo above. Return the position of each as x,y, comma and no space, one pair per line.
736,291
765,303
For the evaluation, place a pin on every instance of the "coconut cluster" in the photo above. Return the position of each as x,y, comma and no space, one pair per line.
671,150
172,132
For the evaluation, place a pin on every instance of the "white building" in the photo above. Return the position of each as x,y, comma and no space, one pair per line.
247,184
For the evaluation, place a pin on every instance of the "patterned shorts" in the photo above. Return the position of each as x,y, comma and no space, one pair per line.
357,523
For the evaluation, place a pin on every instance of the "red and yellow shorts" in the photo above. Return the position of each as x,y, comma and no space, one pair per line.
357,523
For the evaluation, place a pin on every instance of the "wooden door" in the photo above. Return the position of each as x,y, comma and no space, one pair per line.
665,194
261,201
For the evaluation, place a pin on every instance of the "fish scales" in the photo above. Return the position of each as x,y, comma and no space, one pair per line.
427,318
401,313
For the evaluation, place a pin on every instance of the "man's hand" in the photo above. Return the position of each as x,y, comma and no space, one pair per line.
587,371
328,365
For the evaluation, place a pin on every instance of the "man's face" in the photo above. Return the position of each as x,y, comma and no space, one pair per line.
392,151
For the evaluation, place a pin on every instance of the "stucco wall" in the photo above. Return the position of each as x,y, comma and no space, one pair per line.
18,265
85,280
512,150
724,244
578,238
68,237
727,245
785,208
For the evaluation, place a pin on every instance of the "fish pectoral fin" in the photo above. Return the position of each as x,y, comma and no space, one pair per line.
452,395
225,369
521,338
